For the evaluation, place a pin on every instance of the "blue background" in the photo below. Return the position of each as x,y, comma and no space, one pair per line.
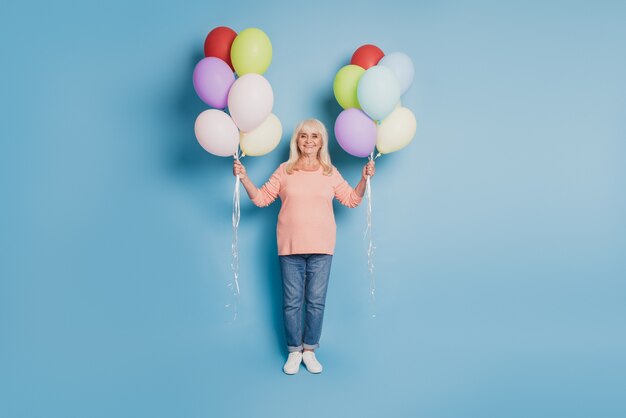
500,231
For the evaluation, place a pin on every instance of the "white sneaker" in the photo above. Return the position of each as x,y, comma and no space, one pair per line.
311,363
292,365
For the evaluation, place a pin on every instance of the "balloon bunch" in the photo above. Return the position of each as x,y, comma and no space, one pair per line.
242,107
249,99
369,90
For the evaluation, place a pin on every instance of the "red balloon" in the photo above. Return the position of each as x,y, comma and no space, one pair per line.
218,42
367,56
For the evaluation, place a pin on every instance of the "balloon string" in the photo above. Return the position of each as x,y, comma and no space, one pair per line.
370,246
234,285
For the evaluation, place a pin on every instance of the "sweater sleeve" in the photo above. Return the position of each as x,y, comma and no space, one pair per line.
344,192
269,191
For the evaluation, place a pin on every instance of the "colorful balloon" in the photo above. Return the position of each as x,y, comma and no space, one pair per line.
396,131
345,85
355,132
212,79
378,92
263,139
250,101
402,67
218,43
217,133
251,52
367,56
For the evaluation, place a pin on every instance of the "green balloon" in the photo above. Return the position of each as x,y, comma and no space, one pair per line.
251,52
345,86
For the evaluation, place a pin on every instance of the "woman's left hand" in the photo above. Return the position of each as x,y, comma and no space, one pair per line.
369,170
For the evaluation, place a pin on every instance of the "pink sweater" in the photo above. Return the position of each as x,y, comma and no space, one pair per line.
306,222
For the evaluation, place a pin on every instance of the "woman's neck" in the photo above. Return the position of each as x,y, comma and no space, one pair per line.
308,163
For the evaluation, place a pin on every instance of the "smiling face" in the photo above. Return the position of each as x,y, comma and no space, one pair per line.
309,143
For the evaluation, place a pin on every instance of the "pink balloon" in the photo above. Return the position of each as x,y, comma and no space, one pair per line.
355,132
212,79
217,133
250,101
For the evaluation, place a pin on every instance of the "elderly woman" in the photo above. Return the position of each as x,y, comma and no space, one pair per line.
306,184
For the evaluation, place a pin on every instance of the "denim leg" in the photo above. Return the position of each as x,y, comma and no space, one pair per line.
316,285
293,268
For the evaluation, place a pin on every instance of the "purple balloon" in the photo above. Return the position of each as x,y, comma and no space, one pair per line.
212,79
355,132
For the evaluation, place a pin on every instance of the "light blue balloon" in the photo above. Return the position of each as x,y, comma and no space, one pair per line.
378,92
402,67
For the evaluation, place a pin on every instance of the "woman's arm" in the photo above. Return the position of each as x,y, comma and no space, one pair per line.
265,195
240,170
368,170
346,194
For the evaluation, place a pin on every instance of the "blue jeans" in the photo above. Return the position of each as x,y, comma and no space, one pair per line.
305,278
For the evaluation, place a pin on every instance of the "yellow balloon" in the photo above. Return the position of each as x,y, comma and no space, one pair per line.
345,86
262,139
396,131
251,52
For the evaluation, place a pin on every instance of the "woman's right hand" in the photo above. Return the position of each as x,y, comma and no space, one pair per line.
239,169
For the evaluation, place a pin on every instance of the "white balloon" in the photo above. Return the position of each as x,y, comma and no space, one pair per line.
396,131
262,139
402,67
250,101
217,133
